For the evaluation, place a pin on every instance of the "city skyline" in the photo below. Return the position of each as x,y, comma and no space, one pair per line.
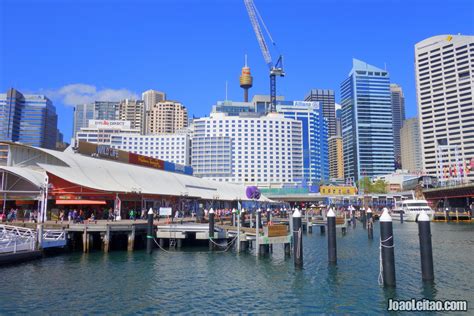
219,34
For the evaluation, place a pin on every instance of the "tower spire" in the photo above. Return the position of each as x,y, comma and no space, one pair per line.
246,80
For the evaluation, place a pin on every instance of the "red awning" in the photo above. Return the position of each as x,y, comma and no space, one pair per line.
24,202
80,202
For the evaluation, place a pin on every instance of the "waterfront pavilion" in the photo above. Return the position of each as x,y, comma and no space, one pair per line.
72,180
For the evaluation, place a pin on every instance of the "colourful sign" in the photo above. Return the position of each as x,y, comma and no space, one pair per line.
146,161
337,190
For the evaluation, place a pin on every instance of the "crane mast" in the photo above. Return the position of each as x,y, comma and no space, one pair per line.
275,69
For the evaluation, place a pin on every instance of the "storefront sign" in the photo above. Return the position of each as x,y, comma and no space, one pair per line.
109,124
165,211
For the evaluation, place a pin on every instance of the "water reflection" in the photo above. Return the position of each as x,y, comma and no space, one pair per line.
195,281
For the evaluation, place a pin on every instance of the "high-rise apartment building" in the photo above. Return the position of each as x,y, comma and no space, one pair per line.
134,112
336,158
28,118
327,100
398,111
367,129
152,97
315,139
252,149
166,117
411,146
444,81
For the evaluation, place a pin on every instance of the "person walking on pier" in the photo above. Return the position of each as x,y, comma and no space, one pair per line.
61,216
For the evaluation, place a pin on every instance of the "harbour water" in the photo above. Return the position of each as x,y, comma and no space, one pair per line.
196,281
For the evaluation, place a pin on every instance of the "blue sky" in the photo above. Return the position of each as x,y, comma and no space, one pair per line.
77,50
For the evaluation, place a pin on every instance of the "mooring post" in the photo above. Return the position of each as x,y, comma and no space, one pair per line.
242,218
387,248
257,227
269,216
149,234
426,249
353,217
39,238
322,229
446,215
297,239
107,238
211,229
370,224
233,217
131,239
402,212
85,240
238,232
362,217
332,247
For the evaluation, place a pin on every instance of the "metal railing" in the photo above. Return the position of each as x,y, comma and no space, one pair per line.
14,239
54,235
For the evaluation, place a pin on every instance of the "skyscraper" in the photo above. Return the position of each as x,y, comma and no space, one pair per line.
327,100
134,112
82,114
398,109
444,83
410,145
166,117
152,97
98,110
28,118
367,129
336,158
315,140
106,110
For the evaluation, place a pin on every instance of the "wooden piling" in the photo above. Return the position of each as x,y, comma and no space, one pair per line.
107,239
131,239
85,240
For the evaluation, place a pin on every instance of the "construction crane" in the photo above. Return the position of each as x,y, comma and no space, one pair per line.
275,69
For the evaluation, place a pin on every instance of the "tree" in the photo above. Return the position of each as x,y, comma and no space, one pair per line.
366,186
380,186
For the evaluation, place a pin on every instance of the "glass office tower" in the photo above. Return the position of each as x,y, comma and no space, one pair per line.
28,118
367,122
315,138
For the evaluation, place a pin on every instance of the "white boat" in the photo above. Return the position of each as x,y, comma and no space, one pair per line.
411,209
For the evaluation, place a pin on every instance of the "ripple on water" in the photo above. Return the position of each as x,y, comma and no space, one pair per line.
194,281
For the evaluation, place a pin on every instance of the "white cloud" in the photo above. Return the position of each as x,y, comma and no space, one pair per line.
79,93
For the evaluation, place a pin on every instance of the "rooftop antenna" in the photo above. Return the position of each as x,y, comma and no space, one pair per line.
245,60
226,90
385,66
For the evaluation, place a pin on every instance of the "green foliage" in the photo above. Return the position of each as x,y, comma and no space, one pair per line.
366,186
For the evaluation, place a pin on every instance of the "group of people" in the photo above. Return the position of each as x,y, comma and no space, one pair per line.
15,214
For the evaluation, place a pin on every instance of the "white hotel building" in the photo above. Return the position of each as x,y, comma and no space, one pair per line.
169,147
249,149
445,83
100,131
